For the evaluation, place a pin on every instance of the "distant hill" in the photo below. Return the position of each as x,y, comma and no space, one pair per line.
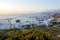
39,14
44,13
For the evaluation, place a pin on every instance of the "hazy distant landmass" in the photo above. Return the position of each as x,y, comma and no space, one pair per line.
41,14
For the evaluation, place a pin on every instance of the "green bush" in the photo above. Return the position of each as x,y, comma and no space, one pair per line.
26,35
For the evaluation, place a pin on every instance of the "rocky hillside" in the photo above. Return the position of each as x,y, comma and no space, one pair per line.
56,15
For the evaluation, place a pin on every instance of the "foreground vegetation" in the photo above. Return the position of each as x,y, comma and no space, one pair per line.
30,34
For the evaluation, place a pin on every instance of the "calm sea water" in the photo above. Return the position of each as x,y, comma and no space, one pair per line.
2,16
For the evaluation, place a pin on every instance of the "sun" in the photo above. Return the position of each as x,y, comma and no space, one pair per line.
4,6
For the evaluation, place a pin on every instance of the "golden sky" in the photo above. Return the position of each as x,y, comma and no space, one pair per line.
27,6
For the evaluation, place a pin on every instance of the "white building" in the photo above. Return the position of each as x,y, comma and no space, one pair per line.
19,22
46,22
4,24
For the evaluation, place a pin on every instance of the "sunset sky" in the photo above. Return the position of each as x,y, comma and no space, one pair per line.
27,6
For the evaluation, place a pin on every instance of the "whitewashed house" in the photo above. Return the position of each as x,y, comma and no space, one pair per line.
28,21
19,22
4,24
46,21
23,22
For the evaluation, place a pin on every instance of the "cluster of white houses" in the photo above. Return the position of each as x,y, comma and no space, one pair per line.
19,22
